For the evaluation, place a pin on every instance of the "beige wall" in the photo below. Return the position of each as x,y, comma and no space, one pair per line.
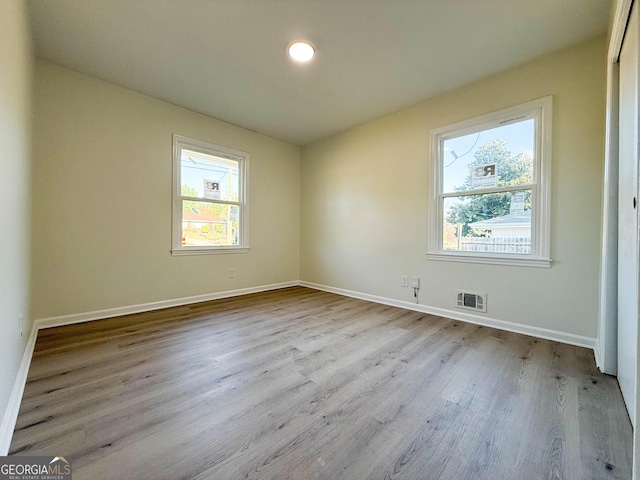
102,190
15,118
364,199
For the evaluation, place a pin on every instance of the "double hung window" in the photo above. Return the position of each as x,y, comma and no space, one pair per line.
490,199
210,211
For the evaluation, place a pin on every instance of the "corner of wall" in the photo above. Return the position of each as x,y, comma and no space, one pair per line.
16,63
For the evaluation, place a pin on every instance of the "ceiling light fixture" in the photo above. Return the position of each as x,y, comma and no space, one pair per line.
301,51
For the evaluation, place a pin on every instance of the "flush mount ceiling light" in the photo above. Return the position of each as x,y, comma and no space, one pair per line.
301,51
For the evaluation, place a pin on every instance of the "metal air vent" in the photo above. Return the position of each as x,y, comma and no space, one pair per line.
471,300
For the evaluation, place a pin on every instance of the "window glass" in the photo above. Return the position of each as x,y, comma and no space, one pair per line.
495,157
208,176
209,224
489,223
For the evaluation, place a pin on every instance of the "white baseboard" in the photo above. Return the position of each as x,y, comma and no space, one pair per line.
606,364
598,354
10,416
562,337
62,320
8,423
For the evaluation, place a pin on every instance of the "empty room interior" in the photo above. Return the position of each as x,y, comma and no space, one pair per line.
320,239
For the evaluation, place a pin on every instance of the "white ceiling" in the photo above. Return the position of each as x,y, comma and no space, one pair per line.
226,58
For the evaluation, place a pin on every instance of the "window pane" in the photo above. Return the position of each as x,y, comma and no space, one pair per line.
208,176
209,224
491,223
501,156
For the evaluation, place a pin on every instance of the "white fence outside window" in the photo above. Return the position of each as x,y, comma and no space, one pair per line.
496,245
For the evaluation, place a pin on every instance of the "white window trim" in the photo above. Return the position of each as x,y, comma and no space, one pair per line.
541,110
180,142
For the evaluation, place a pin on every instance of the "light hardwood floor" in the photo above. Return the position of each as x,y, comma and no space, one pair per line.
302,384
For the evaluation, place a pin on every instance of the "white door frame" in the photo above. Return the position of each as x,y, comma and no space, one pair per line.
607,342
606,345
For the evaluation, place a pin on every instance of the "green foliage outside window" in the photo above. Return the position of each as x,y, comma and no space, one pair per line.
511,170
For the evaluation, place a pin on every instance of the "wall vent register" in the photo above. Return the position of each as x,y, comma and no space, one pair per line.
471,300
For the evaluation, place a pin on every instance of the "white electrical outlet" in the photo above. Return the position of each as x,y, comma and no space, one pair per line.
20,329
415,282
232,273
405,281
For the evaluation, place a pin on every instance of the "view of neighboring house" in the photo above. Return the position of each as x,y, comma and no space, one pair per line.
205,229
508,234
199,220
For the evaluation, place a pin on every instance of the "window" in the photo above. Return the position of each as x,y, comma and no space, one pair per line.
490,195
210,213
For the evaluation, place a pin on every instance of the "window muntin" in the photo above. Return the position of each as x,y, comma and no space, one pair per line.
490,200
209,200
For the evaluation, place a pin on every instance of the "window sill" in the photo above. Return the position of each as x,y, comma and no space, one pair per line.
207,251
515,260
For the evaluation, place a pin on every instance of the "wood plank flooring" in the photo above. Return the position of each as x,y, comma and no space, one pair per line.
302,384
